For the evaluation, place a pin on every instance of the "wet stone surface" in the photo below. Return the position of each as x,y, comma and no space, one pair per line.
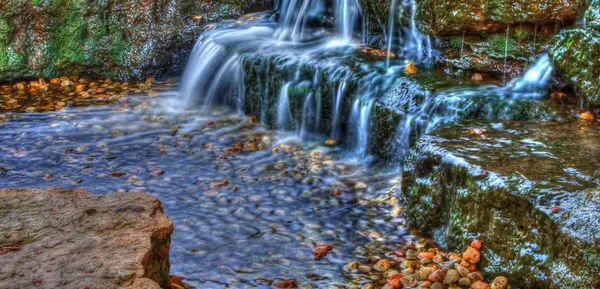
250,206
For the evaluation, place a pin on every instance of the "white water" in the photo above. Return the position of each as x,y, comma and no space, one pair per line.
284,115
349,19
534,83
361,119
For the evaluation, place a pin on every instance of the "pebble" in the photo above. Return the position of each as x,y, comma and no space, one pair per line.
472,256
396,211
480,285
409,281
383,265
352,266
360,186
464,281
437,285
500,283
451,277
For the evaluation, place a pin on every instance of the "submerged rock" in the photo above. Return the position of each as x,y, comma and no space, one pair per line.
80,240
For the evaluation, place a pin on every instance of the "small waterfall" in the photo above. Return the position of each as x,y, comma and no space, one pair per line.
212,75
506,53
390,39
284,115
413,41
339,95
535,81
348,15
361,124
294,17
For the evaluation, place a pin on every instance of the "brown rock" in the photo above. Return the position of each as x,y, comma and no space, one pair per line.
80,88
464,281
437,285
462,270
436,276
383,265
83,240
472,256
480,285
409,281
475,276
477,77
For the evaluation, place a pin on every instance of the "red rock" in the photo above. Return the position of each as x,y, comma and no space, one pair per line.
477,244
395,276
319,254
219,184
399,252
426,255
436,276
472,256
395,283
555,209
286,284
325,248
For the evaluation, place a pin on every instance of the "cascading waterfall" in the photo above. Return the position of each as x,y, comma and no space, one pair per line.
214,74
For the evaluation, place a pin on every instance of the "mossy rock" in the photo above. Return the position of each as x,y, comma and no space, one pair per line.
122,39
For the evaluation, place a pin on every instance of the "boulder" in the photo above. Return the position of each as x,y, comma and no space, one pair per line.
53,238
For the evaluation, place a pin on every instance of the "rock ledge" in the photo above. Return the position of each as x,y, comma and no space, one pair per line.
53,238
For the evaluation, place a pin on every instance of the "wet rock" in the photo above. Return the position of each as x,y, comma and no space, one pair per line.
85,233
477,244
360,186
464,281
472,256
411,69
352,266
409,281
480,285
451,277
500,282
383,265
477,77
437,285
436,276
586,116
396,211
475,276
462,270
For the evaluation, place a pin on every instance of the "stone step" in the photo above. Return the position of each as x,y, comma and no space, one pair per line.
530,191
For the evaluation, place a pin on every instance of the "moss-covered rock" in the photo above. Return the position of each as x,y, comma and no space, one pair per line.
530,192
120,39
575,54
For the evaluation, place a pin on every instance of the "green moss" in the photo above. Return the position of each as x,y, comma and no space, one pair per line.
456,42
521,34
119,47
501,45
66,45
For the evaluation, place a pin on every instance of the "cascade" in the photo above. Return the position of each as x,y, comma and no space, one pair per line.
284,116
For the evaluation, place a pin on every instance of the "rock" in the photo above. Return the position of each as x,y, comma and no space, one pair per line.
411,254
437,285
396,211
409,281
480,285
367,286
436,276
464,281
500,282
451,277
477,244
80,88
75,237
383,265
586,116
352,266
424,272
364,268
360,186
472,256
475,276
426,255
477,77
411,69
461,270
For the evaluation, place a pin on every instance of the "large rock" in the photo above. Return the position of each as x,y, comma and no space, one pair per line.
575,54
120,39
530,192
52,238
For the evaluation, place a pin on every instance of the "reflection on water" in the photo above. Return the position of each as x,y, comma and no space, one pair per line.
243,217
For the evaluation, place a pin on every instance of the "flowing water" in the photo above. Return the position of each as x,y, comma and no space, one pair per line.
282,197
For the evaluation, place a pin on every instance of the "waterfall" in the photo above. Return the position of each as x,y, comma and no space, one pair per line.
535,81
361,122
294,17
284,115
339,95
413,41
212,73
391,22
348,15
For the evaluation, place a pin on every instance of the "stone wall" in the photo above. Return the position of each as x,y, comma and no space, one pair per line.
120,39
